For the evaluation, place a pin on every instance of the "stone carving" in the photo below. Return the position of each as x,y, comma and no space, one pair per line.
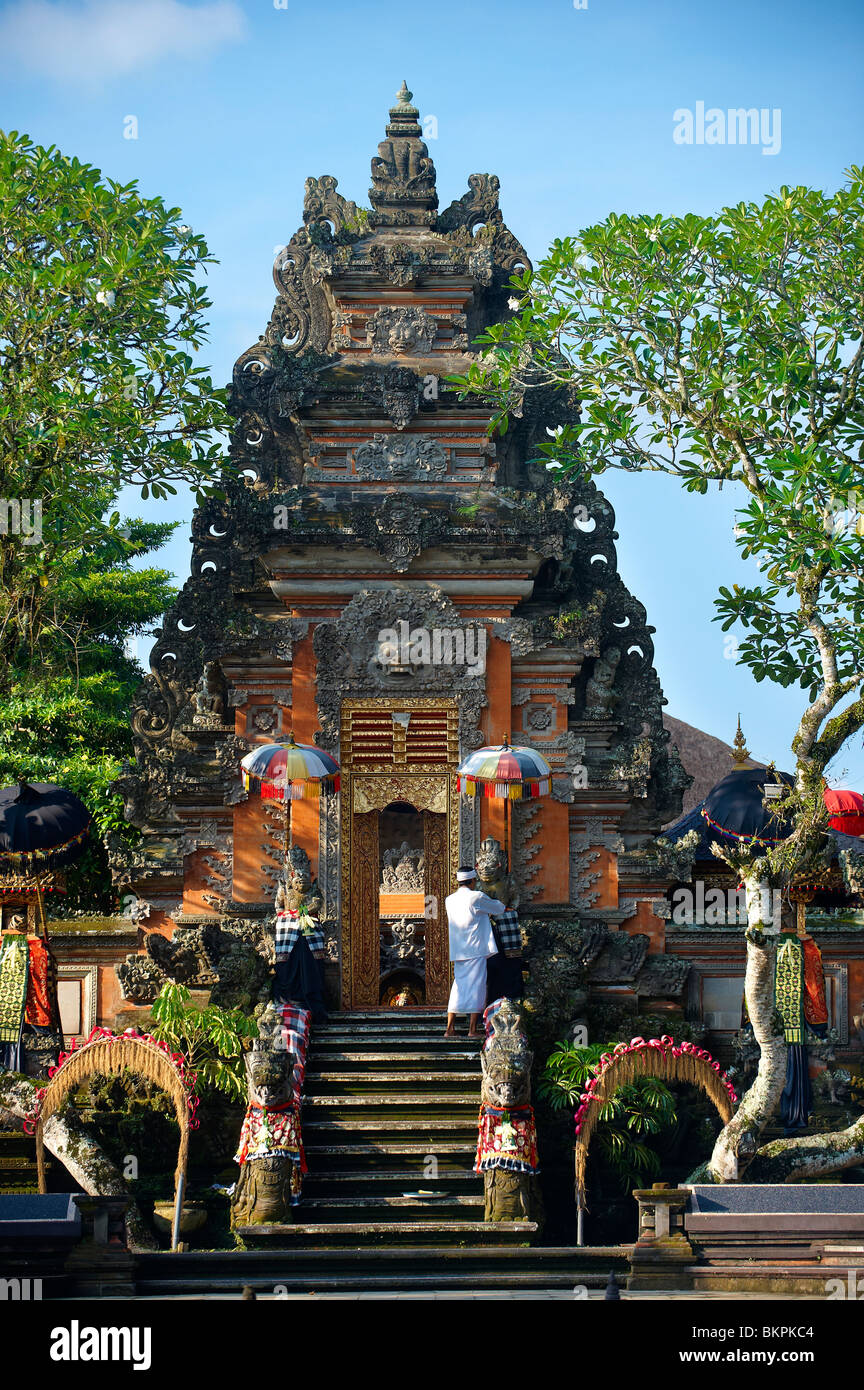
599,696
408,458
210,698
507,1148
297,891
400,394
323,204
232,959
661,858
540,717
527,848
493,876
403,176
404,870
408,945
400,263
347,649
401,331
270,1138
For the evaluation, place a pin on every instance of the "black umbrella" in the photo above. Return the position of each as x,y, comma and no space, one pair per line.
41,827
736,810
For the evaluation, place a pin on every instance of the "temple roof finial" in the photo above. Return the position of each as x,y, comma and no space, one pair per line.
403,176
741,753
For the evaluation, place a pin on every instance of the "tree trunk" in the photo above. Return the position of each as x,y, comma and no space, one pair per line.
809,1156
80,1155
736,1145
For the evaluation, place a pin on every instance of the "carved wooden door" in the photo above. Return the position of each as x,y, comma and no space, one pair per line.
436,850
365,942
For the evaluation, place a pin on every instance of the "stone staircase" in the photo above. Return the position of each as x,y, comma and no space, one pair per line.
18,1163
390,1110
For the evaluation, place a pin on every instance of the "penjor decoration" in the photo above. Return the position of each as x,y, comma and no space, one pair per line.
661,1057
799,998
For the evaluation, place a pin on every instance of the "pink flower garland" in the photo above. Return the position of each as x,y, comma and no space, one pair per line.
667,1046
188,1078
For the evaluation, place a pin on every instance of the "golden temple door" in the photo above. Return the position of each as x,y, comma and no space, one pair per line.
397,753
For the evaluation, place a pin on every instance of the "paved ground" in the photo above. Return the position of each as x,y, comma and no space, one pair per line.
565,1295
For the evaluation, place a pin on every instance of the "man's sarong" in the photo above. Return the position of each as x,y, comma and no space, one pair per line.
468,995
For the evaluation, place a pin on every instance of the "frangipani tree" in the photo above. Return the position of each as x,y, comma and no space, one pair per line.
102,309
729,350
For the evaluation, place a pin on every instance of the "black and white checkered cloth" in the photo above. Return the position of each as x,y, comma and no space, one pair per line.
509,933
288,933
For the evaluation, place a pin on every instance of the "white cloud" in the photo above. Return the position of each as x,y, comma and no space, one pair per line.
108,38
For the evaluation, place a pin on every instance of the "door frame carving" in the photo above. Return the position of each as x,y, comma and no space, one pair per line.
429,787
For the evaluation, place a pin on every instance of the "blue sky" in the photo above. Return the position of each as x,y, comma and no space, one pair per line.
238,101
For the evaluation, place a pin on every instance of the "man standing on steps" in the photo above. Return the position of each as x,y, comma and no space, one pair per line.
471,943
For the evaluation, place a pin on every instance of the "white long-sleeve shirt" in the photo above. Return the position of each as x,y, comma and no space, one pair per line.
468,919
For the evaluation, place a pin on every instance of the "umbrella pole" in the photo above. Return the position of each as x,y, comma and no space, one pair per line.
41,907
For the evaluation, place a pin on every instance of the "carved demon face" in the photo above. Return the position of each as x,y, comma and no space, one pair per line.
491,863
506,1081
269,1073
402,336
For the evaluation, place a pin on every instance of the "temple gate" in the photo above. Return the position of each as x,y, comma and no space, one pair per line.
385,578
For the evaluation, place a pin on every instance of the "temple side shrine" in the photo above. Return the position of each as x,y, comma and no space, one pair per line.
372,502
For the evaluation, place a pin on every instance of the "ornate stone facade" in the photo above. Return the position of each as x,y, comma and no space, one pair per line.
370,494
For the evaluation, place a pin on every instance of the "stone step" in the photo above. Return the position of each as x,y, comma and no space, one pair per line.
431,1028
363,1160
388,1180
320,1126
426,1106
402,1077
393,1206
377,1269
365,1233
385,1055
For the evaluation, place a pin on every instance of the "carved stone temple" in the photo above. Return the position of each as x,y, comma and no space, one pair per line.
371,501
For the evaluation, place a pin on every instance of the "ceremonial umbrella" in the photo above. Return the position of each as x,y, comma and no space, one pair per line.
290,771
506,773
846,811
42,827
736,807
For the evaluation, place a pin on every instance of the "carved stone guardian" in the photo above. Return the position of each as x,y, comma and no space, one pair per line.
210,698
297,892
269,1151
493,876
507,1139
